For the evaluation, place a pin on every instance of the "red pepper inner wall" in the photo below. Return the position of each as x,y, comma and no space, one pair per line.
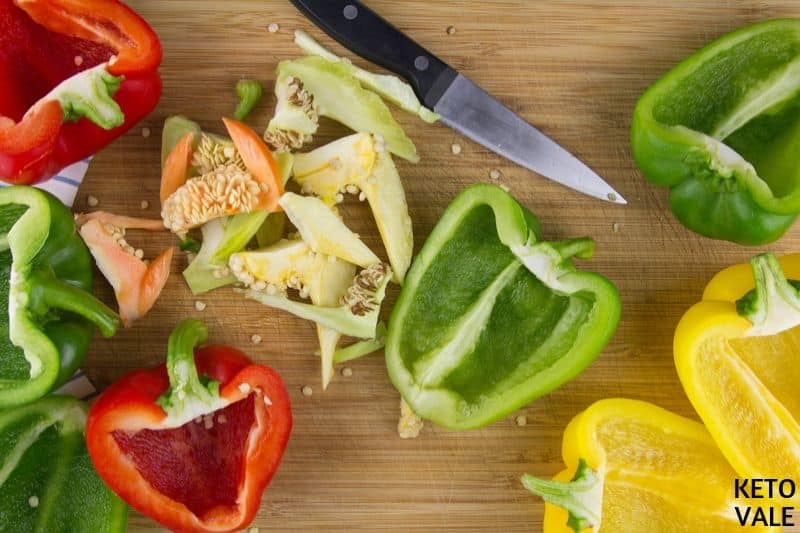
197,466
33,59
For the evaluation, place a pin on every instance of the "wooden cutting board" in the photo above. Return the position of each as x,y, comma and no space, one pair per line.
574,69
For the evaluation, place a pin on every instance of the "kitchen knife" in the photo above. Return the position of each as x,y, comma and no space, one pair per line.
462,105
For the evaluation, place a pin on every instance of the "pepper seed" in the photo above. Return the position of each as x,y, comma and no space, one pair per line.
521,420
307,390
78,60
92,201
495,174
455,148
615,227
145,204
145,132
199,305
347,372
33,501
451,30
255,339
273,28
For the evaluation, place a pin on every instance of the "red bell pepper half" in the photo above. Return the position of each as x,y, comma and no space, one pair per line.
74,75
193,443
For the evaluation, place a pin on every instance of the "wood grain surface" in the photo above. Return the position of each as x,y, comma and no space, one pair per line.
574,69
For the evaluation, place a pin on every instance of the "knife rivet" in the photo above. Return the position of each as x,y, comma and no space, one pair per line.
350,12
421,63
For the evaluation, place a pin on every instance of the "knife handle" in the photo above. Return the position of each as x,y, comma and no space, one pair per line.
365,33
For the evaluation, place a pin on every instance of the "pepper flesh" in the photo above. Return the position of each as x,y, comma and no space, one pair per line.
49,309
230,419
634,466
491,317
721,130
48,483
738,366
56,66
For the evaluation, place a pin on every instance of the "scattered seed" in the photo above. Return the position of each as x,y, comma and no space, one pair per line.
139,253
244,388
199,305
255,339
347,371
455,148
612,197
339,198
362,196
78,61
208,422
145,204
92,201
521,420
307,390
145,132
495,174
615,227
505,187
221,419
273,28
451,30
252,530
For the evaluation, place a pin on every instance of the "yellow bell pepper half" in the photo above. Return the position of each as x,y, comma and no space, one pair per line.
633,466
737,354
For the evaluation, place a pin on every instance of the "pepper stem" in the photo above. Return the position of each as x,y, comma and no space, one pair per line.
48,293
188,395
774,305
582,497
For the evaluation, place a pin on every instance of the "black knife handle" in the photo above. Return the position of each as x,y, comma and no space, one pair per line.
365,33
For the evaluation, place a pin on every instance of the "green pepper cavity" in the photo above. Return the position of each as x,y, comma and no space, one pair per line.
47,279
492,317
721,130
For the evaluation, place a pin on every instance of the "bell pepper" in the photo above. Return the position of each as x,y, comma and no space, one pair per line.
49,309
721,130
47,482
736,356
491,316
74,75
633,466
193,443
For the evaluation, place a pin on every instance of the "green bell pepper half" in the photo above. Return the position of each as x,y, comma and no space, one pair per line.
47,481
722,131
492,317
45,284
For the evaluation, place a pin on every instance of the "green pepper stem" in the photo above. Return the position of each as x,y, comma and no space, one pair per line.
188,395
774,305
581,247
48,292
249,93
582,497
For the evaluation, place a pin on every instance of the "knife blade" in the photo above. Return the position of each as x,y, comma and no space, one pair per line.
462,104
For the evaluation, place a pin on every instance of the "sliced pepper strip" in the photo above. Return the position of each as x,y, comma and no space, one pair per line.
230,418
492,317
96,60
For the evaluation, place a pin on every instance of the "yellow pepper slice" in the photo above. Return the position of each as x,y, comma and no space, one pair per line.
740,367
634,466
